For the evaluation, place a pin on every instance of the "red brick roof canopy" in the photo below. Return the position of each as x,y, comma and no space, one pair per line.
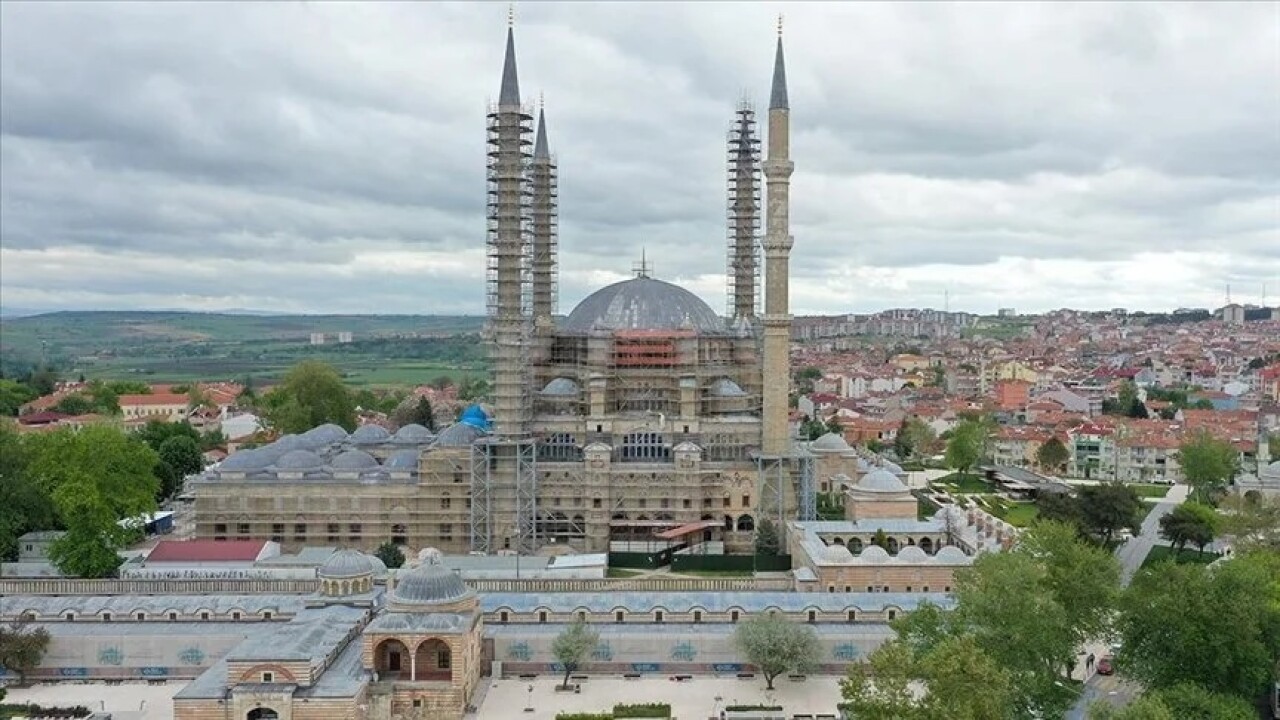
206,551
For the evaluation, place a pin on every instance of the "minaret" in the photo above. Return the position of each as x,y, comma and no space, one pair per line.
744,215
509,130
777,251
543,216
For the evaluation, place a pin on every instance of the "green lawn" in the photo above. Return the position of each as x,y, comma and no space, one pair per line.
1017,514
621,572
964,483
1160,553
1147,490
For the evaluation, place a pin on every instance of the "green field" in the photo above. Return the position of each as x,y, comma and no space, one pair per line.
1160,553
1146,490
1017,514
181,347
964,483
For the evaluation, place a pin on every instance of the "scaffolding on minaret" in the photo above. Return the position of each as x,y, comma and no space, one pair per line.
743,215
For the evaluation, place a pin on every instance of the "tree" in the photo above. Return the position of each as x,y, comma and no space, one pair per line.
210,439
1108,507
1083,578
22,646
572,645
1217,627
880,539
95,476
833,425
964,449
914,438
776,645
767,541
1207,464
1193,701
420,412
473,389
182,454
1190,522
24,505
1060,507
952,670
880,689
390,554
1052,455
310,395
13,395
1144,708
44,381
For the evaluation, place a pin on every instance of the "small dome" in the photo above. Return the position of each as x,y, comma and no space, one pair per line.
299,460
881,480
354,460
874,554
370,435
837,554
724,387
561,387
830,442
402,460
912,554
1271,471
951,554
290,442
429,584
325,434
476,417
458,435
412,434
246,460
346,563
863,466
892,467
379,567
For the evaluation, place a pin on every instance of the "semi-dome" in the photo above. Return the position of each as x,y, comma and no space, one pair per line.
458,435
346,563
874,554
429,584
831,442
560,387
246,460
370,435
412,434
354,460
643,303
299,460
881,480
912,554
326,434
951,554
724,387
402,460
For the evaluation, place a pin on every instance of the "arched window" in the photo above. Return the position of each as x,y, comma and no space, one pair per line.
645,447
262,714
746,523
433,660
926,545
400,534
391,659
838,541
560,447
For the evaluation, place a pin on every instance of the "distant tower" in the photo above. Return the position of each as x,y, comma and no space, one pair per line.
777,251
543,216
744,214
508,251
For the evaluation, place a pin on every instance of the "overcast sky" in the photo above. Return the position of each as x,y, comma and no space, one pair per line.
316,157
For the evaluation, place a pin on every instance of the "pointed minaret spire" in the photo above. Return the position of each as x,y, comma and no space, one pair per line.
510,93
540,148
778,96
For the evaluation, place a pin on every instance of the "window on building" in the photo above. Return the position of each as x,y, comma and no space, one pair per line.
277,532
687,503
446,531
617,616
220,529
643,502
235,615
504,616
813,616
443,659
924,589
300,531
596,503
106,617
582,615
417,702
893,614
70,617
204,616
140,616
848,588
697,616
727,501
268,677
242,528
266,615
946,589
853,615
173,617
446,503
746,500
871,588
542,616
887,588
644,447
333,529
733,616
657,616
354,530
666,502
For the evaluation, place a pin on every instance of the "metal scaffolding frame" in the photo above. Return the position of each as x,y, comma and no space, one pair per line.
743,215
499,465
544,227
783,475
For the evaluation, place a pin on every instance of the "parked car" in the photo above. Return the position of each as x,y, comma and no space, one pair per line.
1105,667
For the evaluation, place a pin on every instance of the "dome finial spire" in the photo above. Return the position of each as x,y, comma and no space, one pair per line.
642,268
779,25
511,17
509,94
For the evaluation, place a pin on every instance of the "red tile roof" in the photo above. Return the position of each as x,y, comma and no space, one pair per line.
153,399
206,551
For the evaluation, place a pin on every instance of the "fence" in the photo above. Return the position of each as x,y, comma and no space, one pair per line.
742,563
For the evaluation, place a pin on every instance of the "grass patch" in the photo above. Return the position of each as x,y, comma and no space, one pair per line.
621,572
1017,514
714,573
964,483
1148,490
1160,553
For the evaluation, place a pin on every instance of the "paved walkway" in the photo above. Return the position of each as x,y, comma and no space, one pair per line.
1131,555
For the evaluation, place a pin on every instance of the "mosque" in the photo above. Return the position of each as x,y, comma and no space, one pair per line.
642,410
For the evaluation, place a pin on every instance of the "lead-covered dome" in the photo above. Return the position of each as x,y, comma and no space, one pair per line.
345,564
370,435
426,585
881,481
300,460
354,460
643,303
831,442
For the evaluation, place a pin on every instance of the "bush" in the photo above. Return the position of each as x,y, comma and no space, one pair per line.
751,708
28,709
584,716
642,710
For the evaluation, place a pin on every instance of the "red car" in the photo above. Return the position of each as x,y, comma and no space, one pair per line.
1105,667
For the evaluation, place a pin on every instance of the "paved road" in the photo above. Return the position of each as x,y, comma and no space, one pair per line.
1131,554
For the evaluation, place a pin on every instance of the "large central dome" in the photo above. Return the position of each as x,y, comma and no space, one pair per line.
643,303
